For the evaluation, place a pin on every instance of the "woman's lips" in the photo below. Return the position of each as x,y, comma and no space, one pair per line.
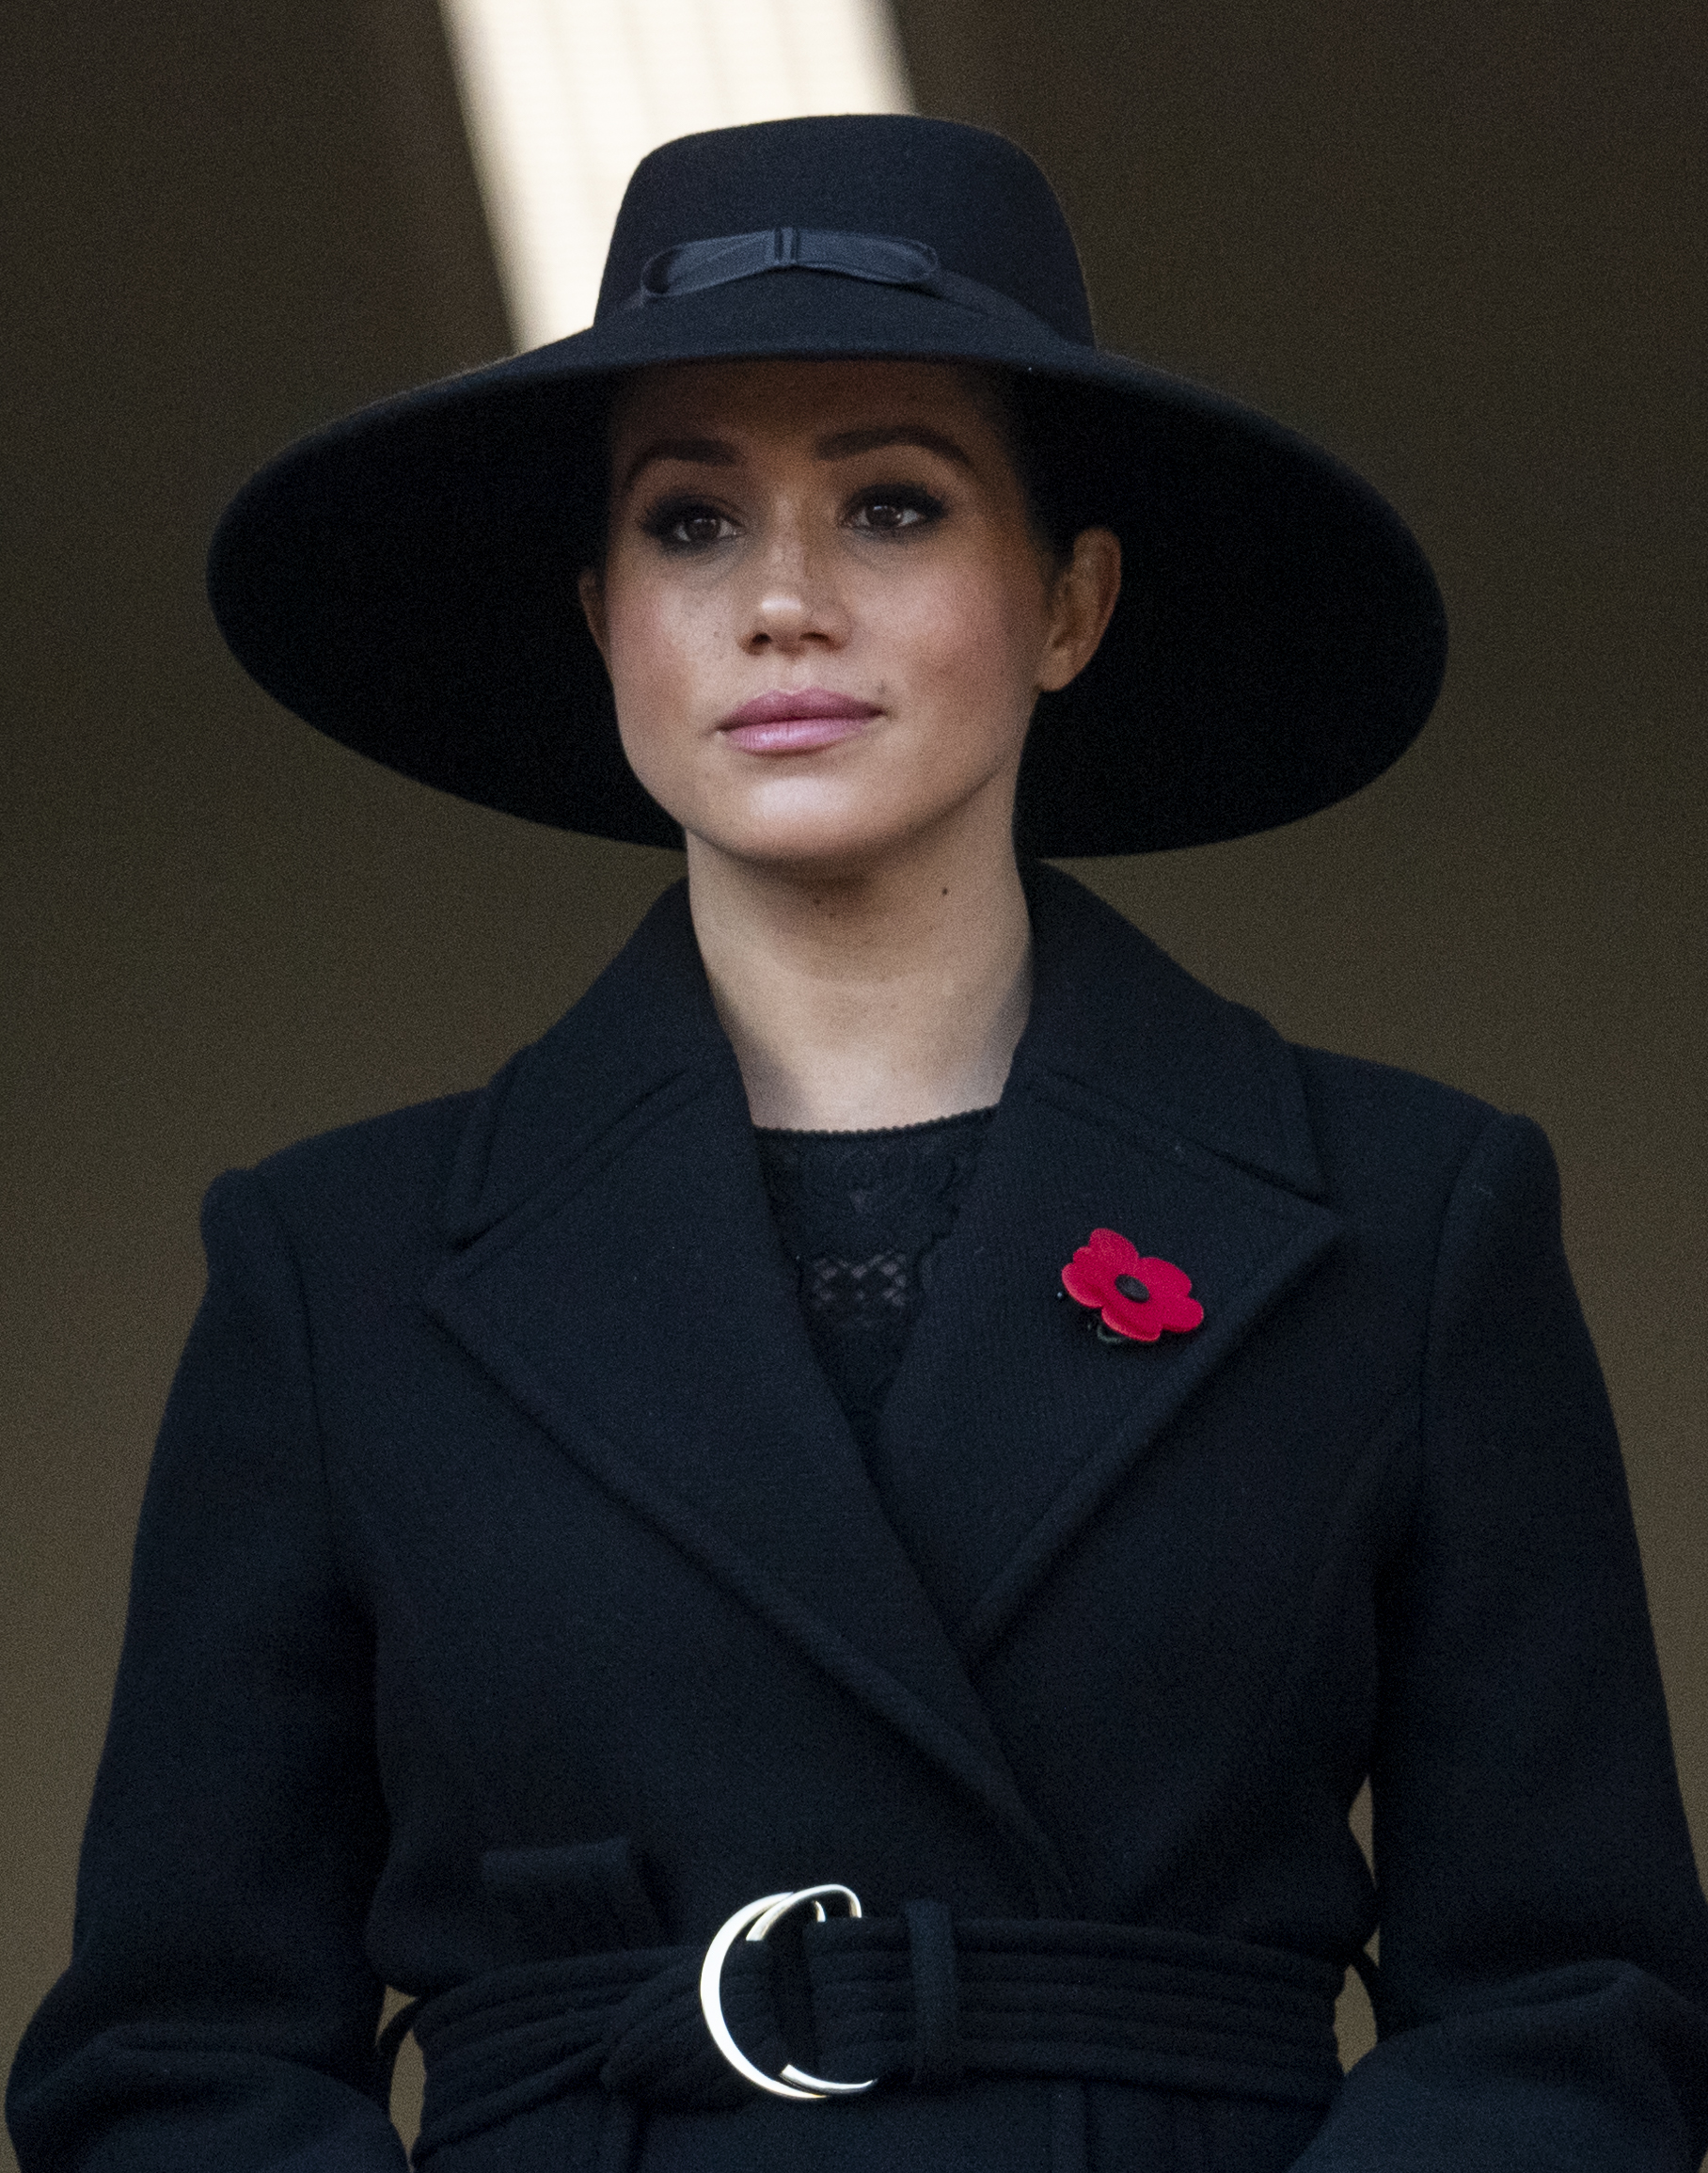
795,723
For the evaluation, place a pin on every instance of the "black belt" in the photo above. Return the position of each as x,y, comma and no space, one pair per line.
914,1999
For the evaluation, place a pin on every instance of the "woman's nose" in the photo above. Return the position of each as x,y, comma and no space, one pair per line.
795,602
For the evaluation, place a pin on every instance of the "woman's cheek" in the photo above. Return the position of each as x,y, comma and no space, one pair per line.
660,655
974,646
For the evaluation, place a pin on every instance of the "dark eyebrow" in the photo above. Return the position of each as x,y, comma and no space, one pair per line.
845,444
703,452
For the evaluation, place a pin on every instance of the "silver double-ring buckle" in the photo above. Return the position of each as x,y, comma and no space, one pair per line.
756,1918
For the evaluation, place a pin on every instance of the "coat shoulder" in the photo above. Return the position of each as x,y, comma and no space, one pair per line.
1119,1014
1385,1134
387,1171
1358,1093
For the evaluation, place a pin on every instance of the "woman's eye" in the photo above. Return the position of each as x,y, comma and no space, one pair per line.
688,527
891,512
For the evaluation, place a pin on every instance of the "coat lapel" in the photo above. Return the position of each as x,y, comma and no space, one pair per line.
618,1274
622,1279
1141,1102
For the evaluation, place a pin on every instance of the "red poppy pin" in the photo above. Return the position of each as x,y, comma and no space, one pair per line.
1134,1296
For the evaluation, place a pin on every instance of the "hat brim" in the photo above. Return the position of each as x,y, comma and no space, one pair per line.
404,580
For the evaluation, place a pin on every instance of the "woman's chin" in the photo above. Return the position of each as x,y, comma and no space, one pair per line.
820,825
826,840
825,847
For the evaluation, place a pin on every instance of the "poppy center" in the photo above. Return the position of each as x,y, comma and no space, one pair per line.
1130,1287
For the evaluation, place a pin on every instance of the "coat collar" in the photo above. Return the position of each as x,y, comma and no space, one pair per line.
1117,1016
1111,1013
618,1273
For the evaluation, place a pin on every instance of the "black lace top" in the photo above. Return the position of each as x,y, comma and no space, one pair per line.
860,1213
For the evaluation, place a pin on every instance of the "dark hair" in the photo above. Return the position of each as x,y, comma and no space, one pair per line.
1046,448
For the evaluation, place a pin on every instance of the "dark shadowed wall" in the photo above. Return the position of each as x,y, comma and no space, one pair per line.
1461,241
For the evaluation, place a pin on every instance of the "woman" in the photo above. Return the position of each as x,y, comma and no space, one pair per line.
814,1571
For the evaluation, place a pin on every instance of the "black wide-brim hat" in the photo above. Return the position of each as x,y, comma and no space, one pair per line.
406,580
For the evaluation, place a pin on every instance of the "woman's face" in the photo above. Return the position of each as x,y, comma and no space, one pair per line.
824,610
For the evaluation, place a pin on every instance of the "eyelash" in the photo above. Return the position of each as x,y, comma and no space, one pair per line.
904,497
662,521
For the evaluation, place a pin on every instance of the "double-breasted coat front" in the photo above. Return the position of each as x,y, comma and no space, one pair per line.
513,1604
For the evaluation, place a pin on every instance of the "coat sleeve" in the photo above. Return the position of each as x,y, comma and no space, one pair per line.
1543,1936
218,2011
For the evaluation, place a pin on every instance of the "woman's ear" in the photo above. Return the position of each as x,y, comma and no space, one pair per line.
1080,603
591,587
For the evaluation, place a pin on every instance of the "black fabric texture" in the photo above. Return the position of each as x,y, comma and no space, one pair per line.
860,1215
510,1587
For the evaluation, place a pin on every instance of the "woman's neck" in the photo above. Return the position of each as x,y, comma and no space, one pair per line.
888,995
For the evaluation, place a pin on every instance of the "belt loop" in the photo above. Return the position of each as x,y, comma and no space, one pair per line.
1192,2147
1069,2139
619,2135
937,2046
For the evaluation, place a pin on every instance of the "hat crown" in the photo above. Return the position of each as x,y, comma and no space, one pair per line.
973,197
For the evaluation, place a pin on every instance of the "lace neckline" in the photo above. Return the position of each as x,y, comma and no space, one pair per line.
861,1215
882,1131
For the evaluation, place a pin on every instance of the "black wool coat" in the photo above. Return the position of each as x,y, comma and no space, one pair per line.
512,1605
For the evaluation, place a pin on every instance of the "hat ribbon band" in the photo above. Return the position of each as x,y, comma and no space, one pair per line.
883,260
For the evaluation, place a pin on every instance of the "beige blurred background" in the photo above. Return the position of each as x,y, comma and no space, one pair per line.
1461,241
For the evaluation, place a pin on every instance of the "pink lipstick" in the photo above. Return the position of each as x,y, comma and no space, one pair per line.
795,722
